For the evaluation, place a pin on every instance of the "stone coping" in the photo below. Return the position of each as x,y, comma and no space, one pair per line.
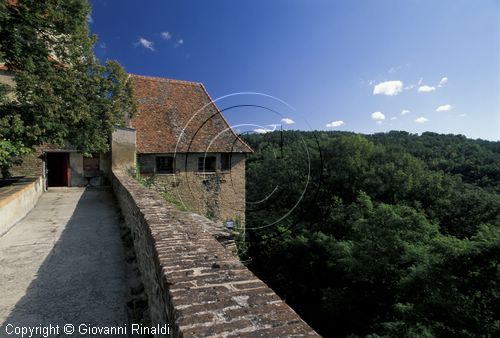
193,283
12,191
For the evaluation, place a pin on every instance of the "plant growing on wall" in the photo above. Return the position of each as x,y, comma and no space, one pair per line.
212,185
150,183
62,94
241,245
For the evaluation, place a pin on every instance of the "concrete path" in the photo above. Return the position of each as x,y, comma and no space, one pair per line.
64,263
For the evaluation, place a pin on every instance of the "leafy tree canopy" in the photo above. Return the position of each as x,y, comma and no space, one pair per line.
62,93
393,235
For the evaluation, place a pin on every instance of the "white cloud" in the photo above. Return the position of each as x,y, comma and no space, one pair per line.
379,122
266,130
421,120
378,116
178,43
404,112
389,88
166,35
420,81
89,19
426,89
394,118
443,81
463,115
335,124
146,43
286,120
444,107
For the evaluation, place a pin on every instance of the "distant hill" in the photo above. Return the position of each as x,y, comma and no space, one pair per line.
391,234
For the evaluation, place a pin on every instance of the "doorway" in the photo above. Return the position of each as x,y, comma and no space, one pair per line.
58,170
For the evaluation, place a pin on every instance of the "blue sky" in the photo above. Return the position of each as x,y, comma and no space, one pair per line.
352,65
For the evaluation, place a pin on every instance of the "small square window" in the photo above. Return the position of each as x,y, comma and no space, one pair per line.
206,164
225,162
90,165
165,164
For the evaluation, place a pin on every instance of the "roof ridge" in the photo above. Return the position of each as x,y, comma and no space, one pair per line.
164,79
165,105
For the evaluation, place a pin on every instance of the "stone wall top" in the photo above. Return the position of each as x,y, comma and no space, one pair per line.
199,286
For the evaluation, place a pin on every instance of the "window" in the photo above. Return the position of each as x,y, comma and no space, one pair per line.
206,164
90,164
225,162
165,164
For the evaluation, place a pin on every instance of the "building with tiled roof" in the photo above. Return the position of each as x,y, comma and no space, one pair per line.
183,140
180,116
180,137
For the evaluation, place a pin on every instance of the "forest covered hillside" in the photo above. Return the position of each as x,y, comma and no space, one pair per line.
391,234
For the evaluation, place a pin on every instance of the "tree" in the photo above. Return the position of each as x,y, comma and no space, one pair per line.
455,293
388,239
62,93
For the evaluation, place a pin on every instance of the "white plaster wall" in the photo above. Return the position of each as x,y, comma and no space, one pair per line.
76,165
123,148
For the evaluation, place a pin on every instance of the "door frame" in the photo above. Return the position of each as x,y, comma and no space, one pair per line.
66,168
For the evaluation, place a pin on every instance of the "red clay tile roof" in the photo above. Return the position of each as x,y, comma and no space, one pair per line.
179,116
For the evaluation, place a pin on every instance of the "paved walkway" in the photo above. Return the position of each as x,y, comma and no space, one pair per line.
64,263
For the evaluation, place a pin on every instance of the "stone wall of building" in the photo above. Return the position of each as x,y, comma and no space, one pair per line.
219,195
7,78
193,283
32,165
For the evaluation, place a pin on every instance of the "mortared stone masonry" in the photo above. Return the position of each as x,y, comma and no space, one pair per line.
193,282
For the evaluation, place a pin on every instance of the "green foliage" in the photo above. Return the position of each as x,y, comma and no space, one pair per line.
174,200
476,161
150,183
241,243
62,93
382,242
455,293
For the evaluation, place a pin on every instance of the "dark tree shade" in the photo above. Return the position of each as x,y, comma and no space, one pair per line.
390,238
62,93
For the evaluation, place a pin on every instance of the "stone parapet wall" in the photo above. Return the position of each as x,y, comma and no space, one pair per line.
17,200
193,283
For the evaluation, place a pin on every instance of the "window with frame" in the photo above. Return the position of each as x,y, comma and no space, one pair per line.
165,164
225,162
207,164
90,166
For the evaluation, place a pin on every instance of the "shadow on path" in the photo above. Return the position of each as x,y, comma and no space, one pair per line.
82,278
